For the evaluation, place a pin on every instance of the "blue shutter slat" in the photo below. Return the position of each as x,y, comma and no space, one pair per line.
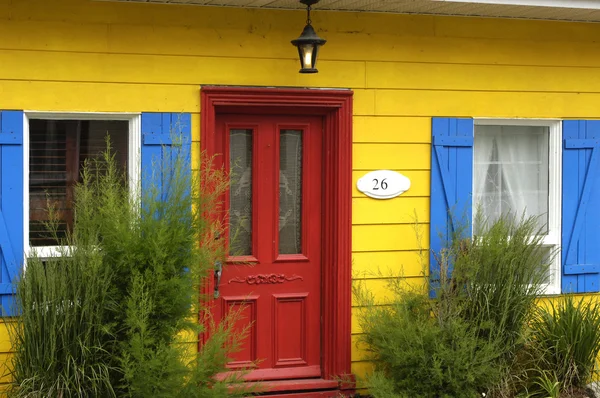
158,148
155,139
448,183
580,144
453,141
151,154
580,206
451,183
10,137
581,210
184,126
581,269
11,205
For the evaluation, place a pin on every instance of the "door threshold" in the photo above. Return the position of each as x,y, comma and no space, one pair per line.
294,385
308,394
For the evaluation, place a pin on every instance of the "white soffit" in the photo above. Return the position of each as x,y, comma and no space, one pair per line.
566,10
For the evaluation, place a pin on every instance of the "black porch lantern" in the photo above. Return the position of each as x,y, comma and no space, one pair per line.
308,43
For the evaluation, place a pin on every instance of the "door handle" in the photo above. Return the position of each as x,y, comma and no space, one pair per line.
218,273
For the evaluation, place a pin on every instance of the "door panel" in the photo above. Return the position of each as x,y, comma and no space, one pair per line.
245,309
290,324
273,273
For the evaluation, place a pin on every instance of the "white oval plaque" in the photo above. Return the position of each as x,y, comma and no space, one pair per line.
383,184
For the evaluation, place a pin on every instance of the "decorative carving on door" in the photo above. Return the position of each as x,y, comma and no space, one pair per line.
264,279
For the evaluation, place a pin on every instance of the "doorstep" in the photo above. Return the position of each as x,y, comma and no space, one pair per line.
307,388
310,394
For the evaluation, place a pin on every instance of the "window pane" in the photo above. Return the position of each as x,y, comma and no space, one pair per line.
57,151
290,192
511,172
549,259
240,192
93,140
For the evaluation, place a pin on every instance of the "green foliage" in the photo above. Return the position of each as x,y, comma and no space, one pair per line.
548,385
465,341
502,272
146,268
59,339
383,387
417,355
143,358
566,340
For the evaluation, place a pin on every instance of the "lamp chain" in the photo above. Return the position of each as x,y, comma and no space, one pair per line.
308,21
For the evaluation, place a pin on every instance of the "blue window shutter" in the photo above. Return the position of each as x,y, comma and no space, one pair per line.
580,206
451,185
159,131
11,206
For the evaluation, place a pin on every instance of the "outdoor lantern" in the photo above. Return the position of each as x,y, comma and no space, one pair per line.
308,43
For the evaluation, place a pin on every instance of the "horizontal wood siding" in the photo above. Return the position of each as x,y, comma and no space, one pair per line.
81,55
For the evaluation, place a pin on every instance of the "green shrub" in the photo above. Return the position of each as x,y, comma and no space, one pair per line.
566,340
60,338
133,273
502,270
416,355
465,341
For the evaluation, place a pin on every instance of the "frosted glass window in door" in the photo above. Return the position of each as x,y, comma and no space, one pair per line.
240,192
290,192
511,172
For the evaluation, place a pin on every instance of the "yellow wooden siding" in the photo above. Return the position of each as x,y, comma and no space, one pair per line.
386,264
5,355
367,211
78,55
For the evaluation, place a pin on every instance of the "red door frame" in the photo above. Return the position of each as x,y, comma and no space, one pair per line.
336,108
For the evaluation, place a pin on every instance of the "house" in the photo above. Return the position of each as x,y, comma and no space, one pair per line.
490,103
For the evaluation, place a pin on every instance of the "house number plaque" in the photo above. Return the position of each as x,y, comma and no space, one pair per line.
383,184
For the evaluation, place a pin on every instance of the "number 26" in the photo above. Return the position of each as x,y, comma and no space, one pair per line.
383,184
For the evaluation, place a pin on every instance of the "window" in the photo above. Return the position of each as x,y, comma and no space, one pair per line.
541,168
516,167
56,148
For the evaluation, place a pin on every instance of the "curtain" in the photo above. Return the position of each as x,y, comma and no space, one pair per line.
483,152
511,172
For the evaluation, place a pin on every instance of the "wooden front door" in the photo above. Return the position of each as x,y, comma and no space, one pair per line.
273,273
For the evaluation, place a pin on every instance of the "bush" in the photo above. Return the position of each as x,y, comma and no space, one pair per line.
417,355
502,271
60,338
118,314
465,341
566,341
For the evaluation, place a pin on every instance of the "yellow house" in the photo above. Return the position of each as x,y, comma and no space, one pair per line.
452,103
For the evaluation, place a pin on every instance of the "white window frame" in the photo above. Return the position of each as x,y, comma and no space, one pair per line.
554,236
133,170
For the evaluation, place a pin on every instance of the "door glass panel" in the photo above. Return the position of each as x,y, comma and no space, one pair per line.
290,192
240,192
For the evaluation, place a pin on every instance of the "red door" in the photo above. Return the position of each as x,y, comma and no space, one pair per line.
274,268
